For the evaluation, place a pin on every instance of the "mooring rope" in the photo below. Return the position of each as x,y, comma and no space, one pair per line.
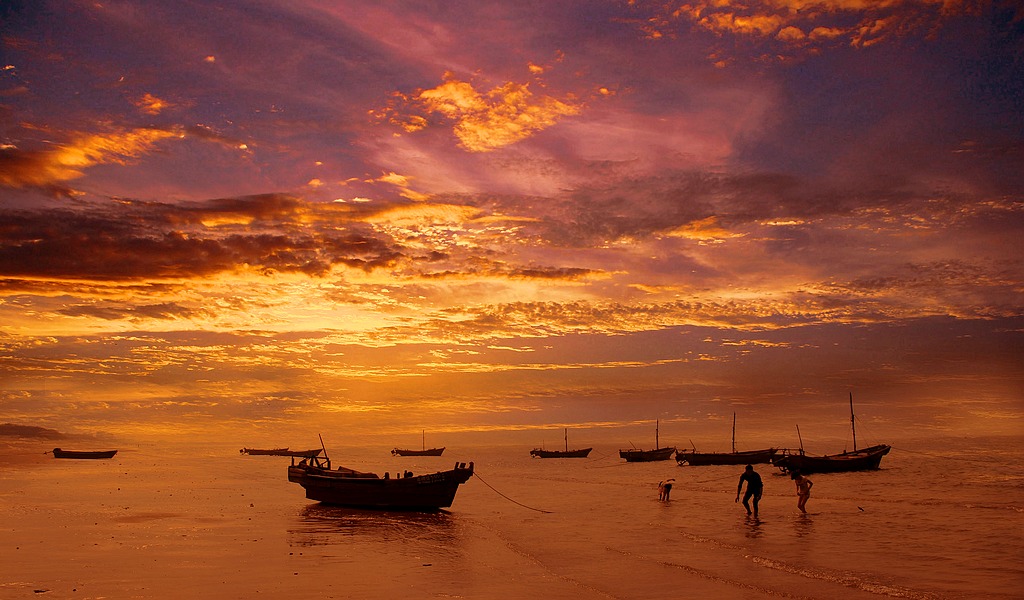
506,497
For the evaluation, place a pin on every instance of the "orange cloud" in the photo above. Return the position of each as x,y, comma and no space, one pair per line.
806,23
68,161
151,105
704,231
490,120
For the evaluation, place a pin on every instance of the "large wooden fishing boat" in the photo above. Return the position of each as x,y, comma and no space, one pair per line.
659,453
567,453
85,454
746,457
405,491
423,451
864,459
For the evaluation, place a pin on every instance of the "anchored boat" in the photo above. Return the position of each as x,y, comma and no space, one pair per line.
659,453
865,459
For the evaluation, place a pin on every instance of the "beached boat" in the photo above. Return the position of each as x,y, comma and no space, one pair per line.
864,459
659,453
405,491
423,451
746,457
567,453
87,454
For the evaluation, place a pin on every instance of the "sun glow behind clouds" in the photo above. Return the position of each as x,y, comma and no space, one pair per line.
497,219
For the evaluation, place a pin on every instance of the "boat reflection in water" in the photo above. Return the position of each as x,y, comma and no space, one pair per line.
321,524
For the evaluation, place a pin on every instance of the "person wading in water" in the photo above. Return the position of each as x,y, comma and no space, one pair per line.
755,487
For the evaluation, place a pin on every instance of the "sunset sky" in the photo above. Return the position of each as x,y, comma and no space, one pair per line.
466,216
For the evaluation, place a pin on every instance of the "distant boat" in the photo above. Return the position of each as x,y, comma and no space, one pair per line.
348,487
567,453
280,452
700,459
90,454
263,452
659,453
865,459
423,451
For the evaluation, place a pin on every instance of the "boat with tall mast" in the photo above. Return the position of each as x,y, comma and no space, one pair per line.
423,451
659,453
567,453
863,459
699,459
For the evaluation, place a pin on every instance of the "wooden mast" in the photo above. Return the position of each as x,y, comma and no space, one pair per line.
734,433
853,425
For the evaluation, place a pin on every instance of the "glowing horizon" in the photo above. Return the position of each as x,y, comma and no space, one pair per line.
240,215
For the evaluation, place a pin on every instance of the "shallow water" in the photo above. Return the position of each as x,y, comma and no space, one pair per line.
158,522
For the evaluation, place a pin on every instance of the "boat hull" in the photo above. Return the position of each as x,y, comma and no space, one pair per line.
427,452
344,487
749,457
647,455
581,453
282,452
867,459
83,454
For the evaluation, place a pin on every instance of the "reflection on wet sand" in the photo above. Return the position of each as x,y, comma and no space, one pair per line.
325,525
804,525
753,527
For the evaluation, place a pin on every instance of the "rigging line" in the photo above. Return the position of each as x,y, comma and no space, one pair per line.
715,479
477,473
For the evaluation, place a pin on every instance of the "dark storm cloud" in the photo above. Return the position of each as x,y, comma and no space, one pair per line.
135,240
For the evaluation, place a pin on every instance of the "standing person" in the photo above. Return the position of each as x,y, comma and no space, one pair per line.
755,487
803,490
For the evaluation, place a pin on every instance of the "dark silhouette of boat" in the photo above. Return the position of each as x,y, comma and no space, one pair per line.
87,454
659,453
864,459
348,487
280,452
747,457
263,451
567,453
423,451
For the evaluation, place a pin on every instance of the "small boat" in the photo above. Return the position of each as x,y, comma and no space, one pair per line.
659,453
424,451
264,452
865,459
348,487
567,453
747,457
89,454
280,452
